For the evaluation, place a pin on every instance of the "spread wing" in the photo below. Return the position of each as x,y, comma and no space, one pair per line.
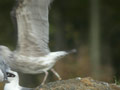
33,27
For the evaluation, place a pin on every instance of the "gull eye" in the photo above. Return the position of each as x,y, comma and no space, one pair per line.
10,74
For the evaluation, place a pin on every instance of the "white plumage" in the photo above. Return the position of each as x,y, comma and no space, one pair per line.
13,82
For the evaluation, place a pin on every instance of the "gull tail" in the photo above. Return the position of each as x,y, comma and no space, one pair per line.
60,54
72,51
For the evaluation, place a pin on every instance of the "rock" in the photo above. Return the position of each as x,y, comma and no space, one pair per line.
78,84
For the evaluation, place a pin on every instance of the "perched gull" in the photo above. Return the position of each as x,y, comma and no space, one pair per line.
3,69
32,55
13,82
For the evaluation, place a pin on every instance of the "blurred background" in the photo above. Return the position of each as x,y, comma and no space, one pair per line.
90,26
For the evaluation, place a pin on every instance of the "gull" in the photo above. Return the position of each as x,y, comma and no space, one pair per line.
13,82
3,70
32,54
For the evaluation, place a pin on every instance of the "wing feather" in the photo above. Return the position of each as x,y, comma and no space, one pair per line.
33,27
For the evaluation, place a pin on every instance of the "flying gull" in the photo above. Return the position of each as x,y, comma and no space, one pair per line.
13,82
32,54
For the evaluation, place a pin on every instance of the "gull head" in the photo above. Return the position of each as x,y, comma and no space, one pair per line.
12,76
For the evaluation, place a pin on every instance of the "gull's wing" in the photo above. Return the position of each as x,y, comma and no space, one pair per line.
33,27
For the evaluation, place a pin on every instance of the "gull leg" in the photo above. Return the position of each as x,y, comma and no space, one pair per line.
46,75
56,74
5,76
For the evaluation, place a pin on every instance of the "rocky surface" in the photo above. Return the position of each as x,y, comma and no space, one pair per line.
78,84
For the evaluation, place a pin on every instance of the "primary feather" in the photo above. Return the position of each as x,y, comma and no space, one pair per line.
33,27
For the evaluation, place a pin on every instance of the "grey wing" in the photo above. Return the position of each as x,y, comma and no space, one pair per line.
33,27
